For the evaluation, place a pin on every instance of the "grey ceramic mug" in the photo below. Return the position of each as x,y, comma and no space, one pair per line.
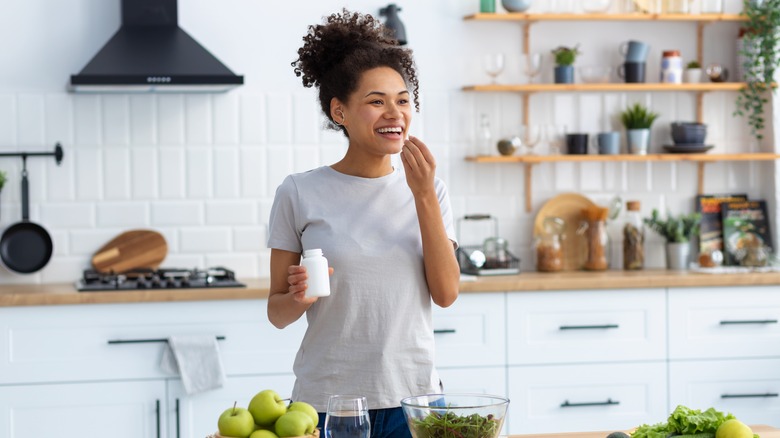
608,143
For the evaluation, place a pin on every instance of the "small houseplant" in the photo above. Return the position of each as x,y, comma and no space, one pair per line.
564,63
3,179
677,230
693,72
637,120
759,56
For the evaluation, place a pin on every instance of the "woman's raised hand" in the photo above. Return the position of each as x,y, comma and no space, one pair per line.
419,164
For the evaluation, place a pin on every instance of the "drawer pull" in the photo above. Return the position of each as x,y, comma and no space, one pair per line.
157,411
588,327
609,402
750,321
766,395
443,331
146,341
177,419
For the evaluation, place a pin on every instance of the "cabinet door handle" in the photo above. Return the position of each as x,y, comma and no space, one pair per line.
146,341
765,395
588,327
157,411
443,331
749,321
609,402
177,418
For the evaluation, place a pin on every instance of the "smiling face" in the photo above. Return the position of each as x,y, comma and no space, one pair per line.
377,114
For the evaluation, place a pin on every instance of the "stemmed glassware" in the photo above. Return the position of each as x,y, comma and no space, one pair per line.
493,63
532,66
556,136
347,417
530,135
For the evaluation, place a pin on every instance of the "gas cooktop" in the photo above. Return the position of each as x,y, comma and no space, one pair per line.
139,279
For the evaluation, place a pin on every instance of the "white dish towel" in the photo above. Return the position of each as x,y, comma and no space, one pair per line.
197,360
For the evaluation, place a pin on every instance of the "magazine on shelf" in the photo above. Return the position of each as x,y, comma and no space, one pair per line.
711,227
746,233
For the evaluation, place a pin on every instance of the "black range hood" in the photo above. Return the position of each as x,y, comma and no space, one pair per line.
151,53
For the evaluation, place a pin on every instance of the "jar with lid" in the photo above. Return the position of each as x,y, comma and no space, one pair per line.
549,245
594,228
633,238
671,67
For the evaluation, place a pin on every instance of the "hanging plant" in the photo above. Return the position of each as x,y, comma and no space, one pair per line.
760,47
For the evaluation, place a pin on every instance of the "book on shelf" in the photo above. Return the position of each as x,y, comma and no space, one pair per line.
711,227
746,233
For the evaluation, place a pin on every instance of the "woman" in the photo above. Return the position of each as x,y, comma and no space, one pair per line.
387,234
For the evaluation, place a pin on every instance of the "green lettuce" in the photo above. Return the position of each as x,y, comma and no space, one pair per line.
684,421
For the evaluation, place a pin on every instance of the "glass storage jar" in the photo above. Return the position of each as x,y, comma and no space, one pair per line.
549,245
633,238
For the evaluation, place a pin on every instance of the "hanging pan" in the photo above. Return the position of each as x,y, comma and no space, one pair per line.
25,247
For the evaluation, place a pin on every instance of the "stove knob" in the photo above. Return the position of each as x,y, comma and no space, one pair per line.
140,284
171,284
185,282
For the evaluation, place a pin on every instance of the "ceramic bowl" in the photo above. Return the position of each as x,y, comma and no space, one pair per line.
428,414
689,132
516,5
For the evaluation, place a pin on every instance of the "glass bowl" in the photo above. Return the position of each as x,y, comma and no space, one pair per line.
596,6
455,415
595,74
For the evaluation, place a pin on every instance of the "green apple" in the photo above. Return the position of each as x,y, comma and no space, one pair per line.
236,422
263,434
294,423
306,409
266,406
733,429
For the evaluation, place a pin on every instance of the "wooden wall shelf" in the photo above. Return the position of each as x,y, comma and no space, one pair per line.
516,16
605,87
700,159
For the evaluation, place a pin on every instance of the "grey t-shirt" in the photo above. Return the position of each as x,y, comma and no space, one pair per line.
373,335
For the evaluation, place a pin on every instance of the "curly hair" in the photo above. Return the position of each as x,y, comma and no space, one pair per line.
335,54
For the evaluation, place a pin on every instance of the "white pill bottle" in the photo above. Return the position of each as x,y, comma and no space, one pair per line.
318,284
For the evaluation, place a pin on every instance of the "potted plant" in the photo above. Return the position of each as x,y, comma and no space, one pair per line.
678,232
564,63
758,50
637,120
693,72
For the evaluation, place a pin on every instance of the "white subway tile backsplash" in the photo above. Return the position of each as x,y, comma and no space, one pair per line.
86,120
174,213
199,172
438,115
143,118
249,239
231,213
144,172
306,118
170,119
116,120
171,172
58,120
123,214
60,242
116,173
280,165
226,118
243,265
30,110
252,164
204,240
88,242
305,158
197,119
252,118
67,216
89,171
9,126
185,261
279,118
63,270
226,173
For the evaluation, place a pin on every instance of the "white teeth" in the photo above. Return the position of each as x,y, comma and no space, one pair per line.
386,130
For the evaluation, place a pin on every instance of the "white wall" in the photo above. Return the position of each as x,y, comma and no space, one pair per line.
202,169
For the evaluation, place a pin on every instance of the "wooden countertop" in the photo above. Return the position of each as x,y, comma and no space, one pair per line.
55,294
762,430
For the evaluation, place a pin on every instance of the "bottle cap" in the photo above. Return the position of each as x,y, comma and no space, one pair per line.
312,252
633,205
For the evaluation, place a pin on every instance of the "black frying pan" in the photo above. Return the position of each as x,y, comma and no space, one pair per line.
25,247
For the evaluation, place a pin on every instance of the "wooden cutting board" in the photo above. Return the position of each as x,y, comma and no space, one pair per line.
132,249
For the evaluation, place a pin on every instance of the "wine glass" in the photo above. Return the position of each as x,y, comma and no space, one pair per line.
532,66
530,135
556,136
494,65
347,417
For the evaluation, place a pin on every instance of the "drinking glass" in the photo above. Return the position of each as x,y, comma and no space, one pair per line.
347,417
532,66
556,136
494,65
530,135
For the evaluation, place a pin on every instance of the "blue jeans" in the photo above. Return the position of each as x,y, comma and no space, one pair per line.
385,423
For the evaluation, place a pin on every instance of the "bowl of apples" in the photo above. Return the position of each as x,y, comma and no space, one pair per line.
268,415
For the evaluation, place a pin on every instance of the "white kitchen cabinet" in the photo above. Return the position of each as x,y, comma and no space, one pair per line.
748,388
586,326
571,398
196,416
83,410
471,332
476,380
724,322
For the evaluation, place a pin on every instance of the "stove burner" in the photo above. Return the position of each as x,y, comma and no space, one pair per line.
93,280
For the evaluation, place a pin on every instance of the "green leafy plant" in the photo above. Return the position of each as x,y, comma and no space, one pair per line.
760,49
638,116
565,55
674,229
693,64
685,421
3,179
